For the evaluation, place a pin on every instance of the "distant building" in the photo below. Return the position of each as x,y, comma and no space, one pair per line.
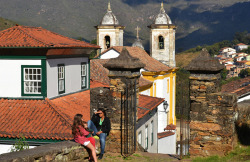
241,46
227,51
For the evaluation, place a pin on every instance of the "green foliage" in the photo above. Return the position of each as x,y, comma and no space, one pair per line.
224,74
4,23
239,37
229,80
137,155
94,52
238,154
244,73
20,144
182,92
242,37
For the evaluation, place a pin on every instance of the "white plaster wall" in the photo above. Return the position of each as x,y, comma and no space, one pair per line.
10,72
159,88
146,92
121,38
151,148
109,54
166,55
72,75
112,33
167,145
6,148
162,118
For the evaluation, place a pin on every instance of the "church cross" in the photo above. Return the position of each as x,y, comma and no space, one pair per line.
137,30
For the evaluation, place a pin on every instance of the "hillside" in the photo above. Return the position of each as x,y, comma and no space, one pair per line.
199,22
4,23
183,59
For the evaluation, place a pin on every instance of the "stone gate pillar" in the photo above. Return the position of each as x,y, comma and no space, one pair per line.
211,112
122,69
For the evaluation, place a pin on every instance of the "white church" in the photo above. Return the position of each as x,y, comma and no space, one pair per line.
160,70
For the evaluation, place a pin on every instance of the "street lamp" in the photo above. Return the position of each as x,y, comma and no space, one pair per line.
165,105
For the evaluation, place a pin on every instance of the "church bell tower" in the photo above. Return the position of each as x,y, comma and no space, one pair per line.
109,32
162,39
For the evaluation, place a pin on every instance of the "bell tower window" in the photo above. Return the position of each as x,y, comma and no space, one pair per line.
161,42
107,42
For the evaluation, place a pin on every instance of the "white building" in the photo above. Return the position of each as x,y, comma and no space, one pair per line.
41,72
109,32
241,46
162,39
227,51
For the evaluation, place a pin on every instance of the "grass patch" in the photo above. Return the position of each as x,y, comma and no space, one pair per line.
137,155
240,153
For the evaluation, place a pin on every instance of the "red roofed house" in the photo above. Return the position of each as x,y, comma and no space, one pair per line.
241,46
226,51
44,82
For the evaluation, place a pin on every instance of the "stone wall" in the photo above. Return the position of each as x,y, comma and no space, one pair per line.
212,117
60,151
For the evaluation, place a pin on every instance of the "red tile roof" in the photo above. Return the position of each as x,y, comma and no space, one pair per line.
24,36
42,119
98,72
144,82
170,127
151,63
94,84
240,44
147,104
165,134
237,86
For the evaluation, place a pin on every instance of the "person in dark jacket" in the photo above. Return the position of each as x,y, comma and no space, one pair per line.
100,124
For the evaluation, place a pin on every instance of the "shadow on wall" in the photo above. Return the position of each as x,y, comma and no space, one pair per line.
243,132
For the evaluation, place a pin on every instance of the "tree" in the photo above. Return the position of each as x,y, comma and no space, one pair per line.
244,73
223,74
94,52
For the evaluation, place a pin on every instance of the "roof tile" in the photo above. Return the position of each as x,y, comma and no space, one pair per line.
42,119
151,64
147,104
24,36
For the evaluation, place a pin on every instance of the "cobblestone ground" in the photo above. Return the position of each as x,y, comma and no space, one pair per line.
137,157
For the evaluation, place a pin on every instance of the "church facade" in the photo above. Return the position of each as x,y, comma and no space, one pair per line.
160,71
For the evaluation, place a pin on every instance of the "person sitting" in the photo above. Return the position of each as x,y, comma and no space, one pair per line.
80,136
100,124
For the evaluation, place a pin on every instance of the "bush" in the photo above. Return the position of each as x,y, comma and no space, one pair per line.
20,144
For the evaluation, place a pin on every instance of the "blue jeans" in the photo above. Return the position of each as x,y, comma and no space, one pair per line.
102,136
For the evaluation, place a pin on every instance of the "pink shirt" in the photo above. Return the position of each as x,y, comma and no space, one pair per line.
81,138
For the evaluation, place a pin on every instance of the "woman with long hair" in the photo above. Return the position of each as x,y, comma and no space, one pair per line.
80,136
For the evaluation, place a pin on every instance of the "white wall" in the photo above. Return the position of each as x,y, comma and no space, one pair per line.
72,75
10,72
244,98
162,118
167,145
110,54
6,148
146,92
151,148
